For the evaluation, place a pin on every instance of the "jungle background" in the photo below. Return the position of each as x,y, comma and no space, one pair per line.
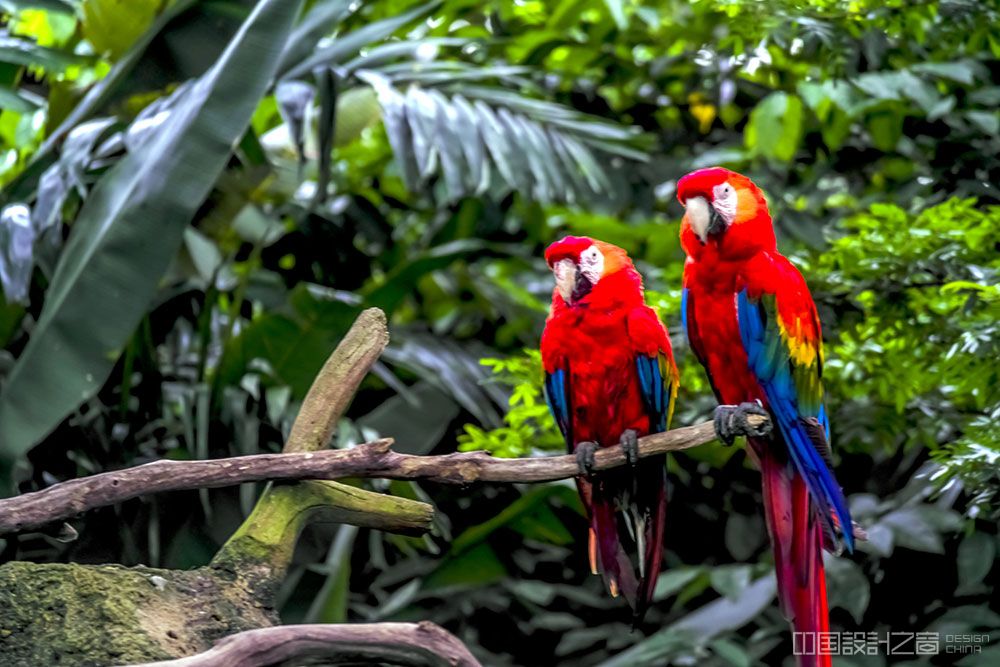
175,271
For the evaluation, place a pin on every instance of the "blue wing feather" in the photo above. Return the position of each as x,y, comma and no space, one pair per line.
557,396
771,363
654,392
684,313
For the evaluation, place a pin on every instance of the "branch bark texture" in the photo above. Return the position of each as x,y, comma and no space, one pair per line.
373,459
413,644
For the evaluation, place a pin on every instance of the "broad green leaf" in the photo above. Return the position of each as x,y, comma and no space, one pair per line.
730,580
320,20
95,100
59,6
350,44
128,231
976,556
847,586
776,126
699,626
20,51
617,9
112,26
330,603
294,343
19,100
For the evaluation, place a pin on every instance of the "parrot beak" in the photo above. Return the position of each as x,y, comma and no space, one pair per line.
571,282
703,218
581,287
565,272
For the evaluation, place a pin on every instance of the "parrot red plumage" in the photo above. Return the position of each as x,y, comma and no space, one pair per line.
752,323
610,378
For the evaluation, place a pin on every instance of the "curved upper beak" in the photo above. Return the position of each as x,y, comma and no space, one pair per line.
572,284
703,218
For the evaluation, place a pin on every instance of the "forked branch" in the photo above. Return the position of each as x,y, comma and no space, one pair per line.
373,459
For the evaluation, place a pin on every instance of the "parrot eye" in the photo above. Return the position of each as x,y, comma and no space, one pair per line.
592,264
724,201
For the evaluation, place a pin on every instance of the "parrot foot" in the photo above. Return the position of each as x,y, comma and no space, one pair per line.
732,420
585,457
630,446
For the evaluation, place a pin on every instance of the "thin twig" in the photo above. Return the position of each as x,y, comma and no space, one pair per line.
373,459
415,644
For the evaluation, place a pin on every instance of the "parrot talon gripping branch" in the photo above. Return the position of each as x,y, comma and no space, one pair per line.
732,421
584,453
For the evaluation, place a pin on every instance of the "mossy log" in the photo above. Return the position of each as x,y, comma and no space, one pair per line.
83,615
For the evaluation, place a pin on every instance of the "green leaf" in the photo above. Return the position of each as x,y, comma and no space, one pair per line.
350,44
776,126
20,51
617,9
321,19
913,530
112,26
129,230
730,580
744,534
673,580
95,100
57,6
330,603
479,566
20,101
964,72
847,586
976,556
699,626
417,420
294,344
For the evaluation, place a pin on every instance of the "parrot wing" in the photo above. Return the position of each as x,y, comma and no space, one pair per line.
557,395
658,384
780,331
654,363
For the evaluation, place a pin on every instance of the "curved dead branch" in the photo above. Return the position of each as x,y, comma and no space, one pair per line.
412,644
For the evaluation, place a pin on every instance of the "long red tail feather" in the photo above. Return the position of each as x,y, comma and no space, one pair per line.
614,547
797,539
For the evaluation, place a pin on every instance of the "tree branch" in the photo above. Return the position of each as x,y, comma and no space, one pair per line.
415,644
332,390
266,546
373,459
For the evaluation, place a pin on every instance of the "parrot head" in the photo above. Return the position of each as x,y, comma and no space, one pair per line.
724,209
579,264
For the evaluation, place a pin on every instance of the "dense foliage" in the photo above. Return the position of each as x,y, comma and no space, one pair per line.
191,220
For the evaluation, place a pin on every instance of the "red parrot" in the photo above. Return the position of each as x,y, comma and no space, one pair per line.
610,378
752,323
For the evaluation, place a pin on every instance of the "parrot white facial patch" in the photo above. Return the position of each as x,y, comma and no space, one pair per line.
592,264
724,200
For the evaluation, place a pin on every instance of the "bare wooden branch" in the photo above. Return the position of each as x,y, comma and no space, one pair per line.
373,459
413,644
267,546
332,390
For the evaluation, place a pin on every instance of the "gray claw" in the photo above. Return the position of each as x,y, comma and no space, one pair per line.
630,446
733,420
585,457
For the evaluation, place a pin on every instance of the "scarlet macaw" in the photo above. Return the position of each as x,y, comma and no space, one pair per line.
610,378
752,323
